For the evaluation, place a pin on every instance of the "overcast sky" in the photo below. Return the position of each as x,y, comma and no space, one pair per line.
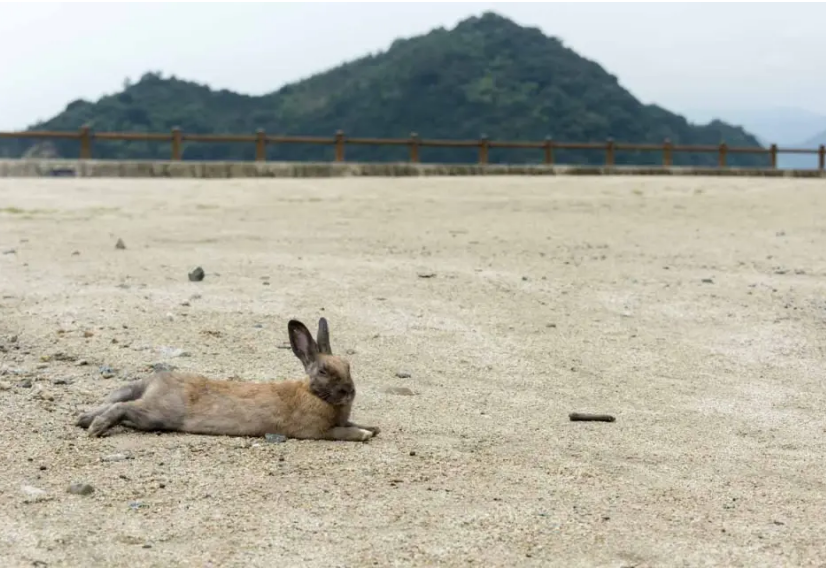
681,56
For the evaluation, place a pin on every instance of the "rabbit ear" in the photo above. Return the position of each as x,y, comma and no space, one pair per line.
323,337
302,343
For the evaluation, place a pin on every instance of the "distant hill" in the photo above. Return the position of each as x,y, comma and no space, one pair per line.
783,126
802,161
487,75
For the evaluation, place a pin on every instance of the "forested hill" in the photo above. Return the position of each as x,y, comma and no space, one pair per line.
487,75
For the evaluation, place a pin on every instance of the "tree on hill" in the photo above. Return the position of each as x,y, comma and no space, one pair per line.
488,75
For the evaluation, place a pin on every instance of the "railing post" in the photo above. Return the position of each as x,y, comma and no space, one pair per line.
549,151
339,146
176,143
722,155
85,143
610,149
821,158
668,153
773,156
260,145
484,144
414,147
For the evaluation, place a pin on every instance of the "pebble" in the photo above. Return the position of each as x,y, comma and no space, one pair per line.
107,372
80,489
402,374
10,252
168,352
26,383
120,244
426,275
32,491
708,281
82,363
161,367
117,457
4,386
275,438
197,275
44,395
399,391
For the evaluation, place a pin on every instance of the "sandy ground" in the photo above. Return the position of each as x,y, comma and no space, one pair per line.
692,309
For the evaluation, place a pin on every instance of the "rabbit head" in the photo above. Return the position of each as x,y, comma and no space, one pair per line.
329,375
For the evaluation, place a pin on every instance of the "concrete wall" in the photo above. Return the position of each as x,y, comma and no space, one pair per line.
169,169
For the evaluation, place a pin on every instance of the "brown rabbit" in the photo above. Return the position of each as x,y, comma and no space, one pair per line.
314,408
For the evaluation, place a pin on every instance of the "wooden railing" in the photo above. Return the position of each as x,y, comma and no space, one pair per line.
339,141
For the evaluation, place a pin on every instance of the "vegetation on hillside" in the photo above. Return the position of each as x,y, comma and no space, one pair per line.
488,76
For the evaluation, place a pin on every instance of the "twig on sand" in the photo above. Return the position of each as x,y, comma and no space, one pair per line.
591,417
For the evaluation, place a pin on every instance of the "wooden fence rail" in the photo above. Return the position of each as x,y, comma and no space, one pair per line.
339,141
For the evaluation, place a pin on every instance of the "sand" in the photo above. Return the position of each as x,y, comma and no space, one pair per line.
691,309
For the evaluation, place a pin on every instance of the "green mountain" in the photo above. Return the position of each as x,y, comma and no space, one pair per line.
487,75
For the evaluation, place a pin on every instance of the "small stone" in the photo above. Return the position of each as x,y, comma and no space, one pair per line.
32,491
13,339
4,386
88,334
26,383
120,244
75,253
80,489
350,352
167,352
147,546
266,283
61,381
708,281
402,374
185,303
44,395
275,438
107,372
10,252
426,275
195,297
399,391
284,346
117,457
136,504
82,363
170,316
197,275
550,325
412,453
524,278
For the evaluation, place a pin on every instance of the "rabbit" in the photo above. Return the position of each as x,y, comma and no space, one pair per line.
317,407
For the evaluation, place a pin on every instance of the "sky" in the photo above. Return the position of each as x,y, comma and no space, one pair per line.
683,56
